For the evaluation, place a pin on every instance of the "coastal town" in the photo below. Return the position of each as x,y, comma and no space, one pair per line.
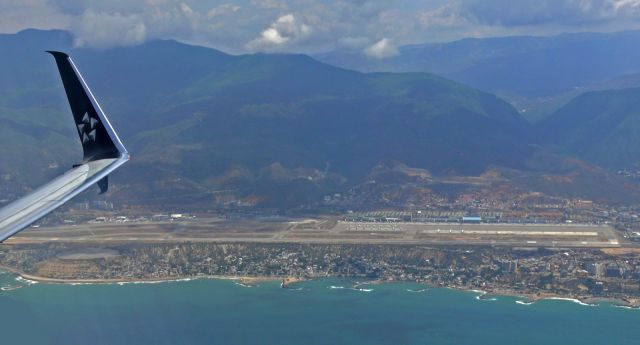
376,232
587,275
98,241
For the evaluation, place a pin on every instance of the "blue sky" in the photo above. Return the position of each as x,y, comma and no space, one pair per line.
376,28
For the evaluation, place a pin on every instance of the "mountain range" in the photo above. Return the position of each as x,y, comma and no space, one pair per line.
530,72
279,129
602,127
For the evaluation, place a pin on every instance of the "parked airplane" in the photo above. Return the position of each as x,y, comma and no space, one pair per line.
103,153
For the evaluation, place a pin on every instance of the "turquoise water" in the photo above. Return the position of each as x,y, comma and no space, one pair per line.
222,312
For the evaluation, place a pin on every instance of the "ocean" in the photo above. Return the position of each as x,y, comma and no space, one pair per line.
328,311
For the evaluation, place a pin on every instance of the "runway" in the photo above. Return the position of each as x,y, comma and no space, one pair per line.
329,232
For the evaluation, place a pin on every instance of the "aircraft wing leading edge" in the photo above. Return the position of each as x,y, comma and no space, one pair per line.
103,152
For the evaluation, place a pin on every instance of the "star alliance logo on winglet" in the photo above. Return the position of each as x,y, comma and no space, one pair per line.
87,128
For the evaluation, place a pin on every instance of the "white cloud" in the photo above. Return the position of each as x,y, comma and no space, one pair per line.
186,9
312,26
223,9
16,15
109,29
545,13
271,4
626,4
382,49
447,15
285,29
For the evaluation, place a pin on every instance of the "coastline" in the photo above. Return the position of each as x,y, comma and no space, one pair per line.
244,280
531,298
288,282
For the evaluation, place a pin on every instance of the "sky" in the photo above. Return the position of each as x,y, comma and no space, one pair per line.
375,28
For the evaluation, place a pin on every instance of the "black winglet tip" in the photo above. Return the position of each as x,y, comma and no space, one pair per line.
104,184
57,54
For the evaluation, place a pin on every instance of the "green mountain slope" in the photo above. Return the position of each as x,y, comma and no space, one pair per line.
602,127
260,122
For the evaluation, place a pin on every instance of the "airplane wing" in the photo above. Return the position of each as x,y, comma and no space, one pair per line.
103,153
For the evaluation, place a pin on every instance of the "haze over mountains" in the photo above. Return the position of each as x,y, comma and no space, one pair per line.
529,71
282,126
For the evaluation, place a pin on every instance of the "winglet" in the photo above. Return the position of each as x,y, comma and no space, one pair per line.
103,153
104,184
98,138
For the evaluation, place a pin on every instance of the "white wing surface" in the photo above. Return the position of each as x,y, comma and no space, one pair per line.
103,152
